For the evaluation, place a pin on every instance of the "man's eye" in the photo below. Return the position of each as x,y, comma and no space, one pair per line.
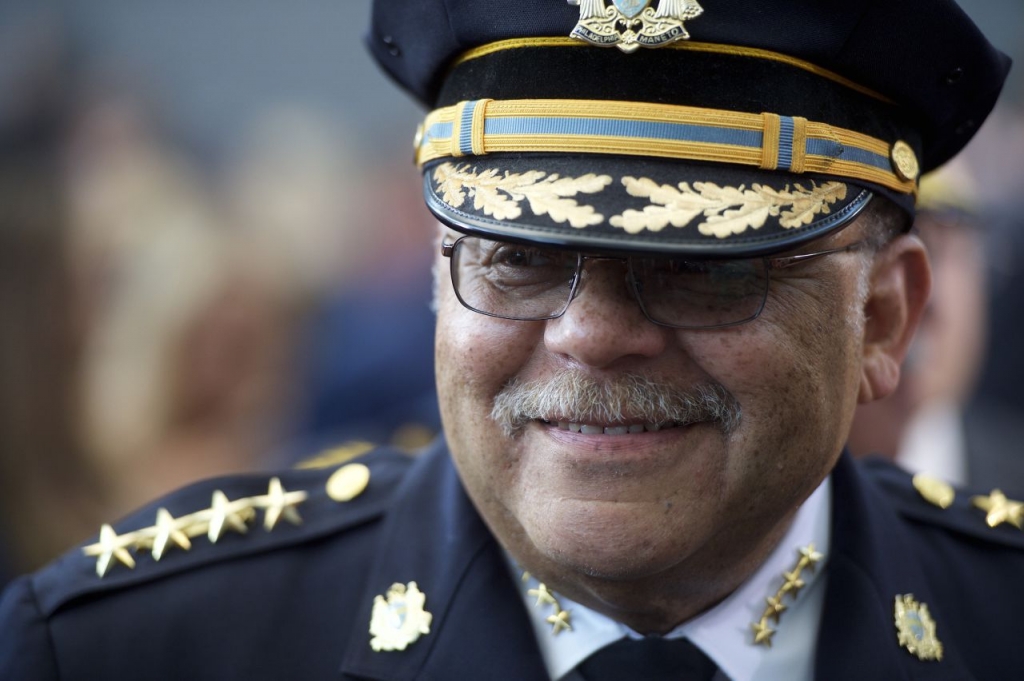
520,256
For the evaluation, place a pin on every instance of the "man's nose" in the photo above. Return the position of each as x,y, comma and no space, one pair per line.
604,323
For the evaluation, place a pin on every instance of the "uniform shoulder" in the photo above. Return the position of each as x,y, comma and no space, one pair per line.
222,519
990,516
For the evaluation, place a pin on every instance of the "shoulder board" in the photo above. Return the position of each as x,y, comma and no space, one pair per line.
335,456
988,516
224,518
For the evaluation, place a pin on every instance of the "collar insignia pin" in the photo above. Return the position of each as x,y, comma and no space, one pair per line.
999,509
629,24
560,619
400,619
916,628
793,582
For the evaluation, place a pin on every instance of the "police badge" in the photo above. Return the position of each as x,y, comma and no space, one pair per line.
399,620
916,628
630,24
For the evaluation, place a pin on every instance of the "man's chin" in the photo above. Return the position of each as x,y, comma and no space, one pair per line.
605,541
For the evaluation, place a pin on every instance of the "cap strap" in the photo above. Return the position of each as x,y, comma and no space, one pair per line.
767,141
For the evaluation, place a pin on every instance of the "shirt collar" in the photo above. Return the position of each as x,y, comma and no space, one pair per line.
724,632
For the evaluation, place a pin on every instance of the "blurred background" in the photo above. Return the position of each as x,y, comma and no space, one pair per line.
214,256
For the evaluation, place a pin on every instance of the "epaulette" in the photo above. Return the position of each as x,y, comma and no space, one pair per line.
222,519
991,516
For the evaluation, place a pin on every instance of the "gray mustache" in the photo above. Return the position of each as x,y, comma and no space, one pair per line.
578,397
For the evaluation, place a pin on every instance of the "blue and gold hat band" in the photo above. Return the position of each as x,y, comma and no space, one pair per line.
707,150
765,141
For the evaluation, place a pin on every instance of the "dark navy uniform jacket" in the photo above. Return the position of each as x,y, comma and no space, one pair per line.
295,602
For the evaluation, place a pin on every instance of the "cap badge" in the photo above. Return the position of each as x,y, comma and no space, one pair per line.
399,620
630,24
916,628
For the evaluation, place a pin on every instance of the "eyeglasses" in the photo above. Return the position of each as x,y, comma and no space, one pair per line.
534,283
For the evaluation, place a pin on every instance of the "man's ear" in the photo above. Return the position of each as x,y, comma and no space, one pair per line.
901,280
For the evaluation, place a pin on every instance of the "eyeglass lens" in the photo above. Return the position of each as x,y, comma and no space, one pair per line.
517,281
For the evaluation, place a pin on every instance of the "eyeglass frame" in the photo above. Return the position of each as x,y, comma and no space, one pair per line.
771,263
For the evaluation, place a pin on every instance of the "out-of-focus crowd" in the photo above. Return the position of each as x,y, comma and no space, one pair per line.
168,313
165,316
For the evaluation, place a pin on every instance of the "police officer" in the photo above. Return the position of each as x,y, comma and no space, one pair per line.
673,257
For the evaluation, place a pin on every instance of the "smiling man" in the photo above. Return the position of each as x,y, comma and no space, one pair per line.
674,254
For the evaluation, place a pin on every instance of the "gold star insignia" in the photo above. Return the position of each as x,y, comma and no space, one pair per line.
110,546
232,514
793,582
762,633
167,530
775,607
1000,510
280,503
810,557
544,596
559,621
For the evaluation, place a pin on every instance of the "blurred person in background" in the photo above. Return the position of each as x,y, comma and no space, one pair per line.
935,422
998,165
198,293
366,368
50,492
151,309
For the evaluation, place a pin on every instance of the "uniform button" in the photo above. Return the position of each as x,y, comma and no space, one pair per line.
904,161
348,482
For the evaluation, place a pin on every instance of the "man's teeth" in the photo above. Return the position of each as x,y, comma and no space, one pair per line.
587,429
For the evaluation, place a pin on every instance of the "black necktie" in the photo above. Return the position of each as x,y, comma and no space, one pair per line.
648,659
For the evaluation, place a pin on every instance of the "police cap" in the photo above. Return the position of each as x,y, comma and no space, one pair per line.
716,128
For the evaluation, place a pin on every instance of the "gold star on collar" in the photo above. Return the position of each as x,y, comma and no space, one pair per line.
1000,510
221,515
168,529
280,504
544,596
111,546
560,620
762,633
775,608
793,582
230,514
809,557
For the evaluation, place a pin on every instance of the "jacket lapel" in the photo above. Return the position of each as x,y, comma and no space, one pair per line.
872,562
479,628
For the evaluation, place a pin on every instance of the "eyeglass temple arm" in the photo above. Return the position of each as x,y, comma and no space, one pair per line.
791,260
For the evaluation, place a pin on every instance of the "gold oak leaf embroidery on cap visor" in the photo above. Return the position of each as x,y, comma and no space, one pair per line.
500,195
728,210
